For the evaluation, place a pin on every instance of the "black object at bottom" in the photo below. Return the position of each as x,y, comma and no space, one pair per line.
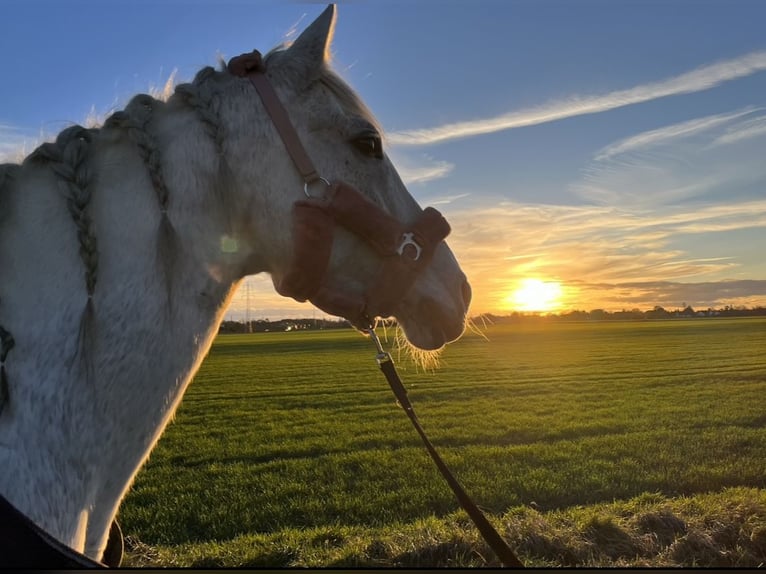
24,545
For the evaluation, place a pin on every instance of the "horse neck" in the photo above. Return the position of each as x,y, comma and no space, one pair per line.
84,414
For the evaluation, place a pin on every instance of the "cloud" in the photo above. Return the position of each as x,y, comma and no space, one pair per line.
422,174
587,245
715,159
671,295
703,78
447,199
756,127
421,169
668,134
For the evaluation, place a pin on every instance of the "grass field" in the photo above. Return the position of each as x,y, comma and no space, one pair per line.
288,449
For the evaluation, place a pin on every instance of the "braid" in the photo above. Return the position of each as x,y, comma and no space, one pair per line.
8,172
71,169
202,100
6,344
135,120
47,152
67,159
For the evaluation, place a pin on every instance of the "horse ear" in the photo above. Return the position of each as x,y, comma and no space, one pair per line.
312,47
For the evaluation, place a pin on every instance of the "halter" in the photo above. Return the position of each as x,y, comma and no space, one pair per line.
405,250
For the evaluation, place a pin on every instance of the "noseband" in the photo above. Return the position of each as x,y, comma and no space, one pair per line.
405,249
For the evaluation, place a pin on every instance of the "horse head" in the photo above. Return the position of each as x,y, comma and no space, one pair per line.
360,244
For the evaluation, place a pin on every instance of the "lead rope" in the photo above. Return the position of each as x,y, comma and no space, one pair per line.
488,532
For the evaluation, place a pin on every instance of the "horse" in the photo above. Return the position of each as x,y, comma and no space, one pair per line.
122,246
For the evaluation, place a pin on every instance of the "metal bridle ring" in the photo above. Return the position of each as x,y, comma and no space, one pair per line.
306,185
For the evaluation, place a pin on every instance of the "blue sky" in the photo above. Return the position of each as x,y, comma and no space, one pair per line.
614,148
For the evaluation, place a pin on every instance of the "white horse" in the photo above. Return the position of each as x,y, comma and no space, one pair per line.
121,248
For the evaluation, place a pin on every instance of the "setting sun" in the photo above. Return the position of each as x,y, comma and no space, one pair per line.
536,295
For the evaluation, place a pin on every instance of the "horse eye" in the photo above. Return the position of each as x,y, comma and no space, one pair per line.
370,145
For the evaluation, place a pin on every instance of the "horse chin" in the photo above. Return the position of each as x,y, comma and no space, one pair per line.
428,337
429,326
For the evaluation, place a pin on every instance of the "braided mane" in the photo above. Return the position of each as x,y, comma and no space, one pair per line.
68,159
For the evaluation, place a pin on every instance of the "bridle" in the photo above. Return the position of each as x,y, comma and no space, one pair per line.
405,250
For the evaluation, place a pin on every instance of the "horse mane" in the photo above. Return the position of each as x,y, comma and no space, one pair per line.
68,158
8,172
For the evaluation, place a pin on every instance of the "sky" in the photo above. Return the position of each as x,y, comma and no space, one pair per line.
587,153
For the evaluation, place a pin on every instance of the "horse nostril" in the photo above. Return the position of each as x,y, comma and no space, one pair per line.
466,290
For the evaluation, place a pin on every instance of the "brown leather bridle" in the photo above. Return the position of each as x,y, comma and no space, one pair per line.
405,249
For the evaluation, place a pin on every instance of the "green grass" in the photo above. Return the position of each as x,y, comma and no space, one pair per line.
286,438
722,529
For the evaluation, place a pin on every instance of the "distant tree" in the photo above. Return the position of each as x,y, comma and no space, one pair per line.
657,313
575,316
598,314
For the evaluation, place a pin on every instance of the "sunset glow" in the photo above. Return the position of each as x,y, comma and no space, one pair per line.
535,295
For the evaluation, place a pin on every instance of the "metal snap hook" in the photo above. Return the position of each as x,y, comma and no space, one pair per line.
308,183
382,355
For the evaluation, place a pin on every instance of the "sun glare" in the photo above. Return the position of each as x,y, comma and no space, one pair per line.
536,295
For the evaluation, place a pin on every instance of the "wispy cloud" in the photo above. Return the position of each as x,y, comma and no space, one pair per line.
448,199
715,158
756,127
422,174
422,169
702,78
672,294
669,133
